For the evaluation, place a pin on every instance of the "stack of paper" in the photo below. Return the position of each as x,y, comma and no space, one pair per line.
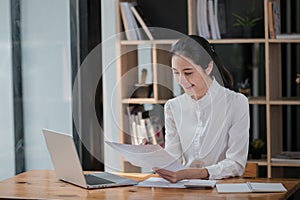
162,183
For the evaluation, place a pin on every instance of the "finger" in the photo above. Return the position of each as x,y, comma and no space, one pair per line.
155,169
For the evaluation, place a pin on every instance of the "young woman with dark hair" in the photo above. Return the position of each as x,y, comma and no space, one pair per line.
207,127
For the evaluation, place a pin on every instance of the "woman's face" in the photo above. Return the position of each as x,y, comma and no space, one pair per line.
191,77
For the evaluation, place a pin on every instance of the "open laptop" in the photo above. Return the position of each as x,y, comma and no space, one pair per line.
68,167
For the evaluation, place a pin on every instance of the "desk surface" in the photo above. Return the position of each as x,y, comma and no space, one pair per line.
44,185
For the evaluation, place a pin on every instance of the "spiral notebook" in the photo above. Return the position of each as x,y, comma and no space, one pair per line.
250,187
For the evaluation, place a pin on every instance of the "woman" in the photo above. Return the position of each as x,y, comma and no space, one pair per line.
208,126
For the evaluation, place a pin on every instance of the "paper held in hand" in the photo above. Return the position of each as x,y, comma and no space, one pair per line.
147,156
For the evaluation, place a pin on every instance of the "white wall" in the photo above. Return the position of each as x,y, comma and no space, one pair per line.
112,158
7,159
45,26
47,80
46,75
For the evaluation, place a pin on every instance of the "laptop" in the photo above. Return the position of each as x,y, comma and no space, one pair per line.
68,167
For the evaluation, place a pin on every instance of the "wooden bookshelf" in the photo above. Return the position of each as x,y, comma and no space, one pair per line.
272,100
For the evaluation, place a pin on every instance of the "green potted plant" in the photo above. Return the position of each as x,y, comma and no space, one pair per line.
257,145
244,87
247,21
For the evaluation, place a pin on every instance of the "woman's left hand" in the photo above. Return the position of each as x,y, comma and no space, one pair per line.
190,173
173,177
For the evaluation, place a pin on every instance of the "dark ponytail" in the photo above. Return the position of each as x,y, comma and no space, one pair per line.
197,48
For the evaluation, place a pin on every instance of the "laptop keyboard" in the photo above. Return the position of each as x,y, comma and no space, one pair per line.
93,180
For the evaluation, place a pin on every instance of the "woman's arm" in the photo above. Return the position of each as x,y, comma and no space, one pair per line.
172,140
238,142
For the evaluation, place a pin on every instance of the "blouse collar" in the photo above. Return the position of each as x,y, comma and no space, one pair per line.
213,90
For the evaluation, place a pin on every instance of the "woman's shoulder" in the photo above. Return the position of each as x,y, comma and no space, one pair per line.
238,105
176,100
236,98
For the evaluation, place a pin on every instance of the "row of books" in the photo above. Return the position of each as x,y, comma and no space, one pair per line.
136,28
134,25
141,126
207,19
287,157
274,17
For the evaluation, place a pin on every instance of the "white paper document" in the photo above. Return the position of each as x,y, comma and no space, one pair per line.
250,187
199,183
162,183
147,156
233,188
267,187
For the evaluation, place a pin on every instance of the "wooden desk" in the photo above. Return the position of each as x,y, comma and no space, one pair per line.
44,185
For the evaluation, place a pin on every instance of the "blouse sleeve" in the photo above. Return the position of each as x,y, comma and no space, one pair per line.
238,141
172,140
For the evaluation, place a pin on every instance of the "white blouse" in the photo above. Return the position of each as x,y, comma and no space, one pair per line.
212,131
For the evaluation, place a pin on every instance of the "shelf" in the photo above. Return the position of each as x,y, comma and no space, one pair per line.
252,100
284,40
140,42
263,162
284,164
238,40
286,101
257,100
171,41
260,162
143,101
270,105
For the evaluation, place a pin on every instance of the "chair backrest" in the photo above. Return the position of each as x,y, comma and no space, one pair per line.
250,170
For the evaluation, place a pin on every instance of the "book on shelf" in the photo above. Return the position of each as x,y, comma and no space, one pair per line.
143,126
288,36
132,30
221,17
216,22
276,18
158,131
271,20
287,157
134,133
142,130
133,121
285,160
151,132
142,22
207,19
127,22
202,23
211,20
